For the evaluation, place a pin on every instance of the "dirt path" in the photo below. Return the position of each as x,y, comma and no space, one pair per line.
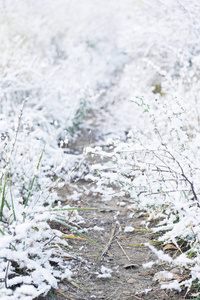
125,277
116,270
128,280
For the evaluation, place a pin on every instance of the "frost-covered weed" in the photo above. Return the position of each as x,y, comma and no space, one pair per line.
31,252
158,166
52,69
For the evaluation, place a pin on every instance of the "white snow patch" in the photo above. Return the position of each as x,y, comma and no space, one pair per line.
97,228
174,285
129,229
148,265
105,272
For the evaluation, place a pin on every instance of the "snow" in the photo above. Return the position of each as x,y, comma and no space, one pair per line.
148,265
172,286
160,254
105,272
129,229
97,228
137,60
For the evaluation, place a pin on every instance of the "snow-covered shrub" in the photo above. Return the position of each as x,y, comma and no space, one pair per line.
31,252
45,93
158,165
54,64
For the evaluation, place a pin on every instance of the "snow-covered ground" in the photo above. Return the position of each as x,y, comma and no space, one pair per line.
59,59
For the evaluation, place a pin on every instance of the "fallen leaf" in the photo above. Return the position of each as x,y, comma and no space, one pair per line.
131,280
109,254
163,277
177,275
175,271
169,247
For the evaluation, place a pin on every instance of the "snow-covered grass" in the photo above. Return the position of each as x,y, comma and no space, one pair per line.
57,59
157,166
52,69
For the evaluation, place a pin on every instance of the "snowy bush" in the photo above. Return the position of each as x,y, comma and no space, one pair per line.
44,97
52,70
158,165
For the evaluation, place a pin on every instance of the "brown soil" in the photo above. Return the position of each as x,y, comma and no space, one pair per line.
129,280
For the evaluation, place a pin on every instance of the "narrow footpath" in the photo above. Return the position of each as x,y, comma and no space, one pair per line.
114,271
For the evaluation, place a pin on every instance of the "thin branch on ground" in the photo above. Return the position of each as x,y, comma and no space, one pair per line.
105,250
123,251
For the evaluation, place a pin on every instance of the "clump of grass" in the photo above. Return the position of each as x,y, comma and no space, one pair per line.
158,167
78,117
194,291
31,251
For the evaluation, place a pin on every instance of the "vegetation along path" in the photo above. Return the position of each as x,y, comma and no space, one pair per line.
115,268
100,164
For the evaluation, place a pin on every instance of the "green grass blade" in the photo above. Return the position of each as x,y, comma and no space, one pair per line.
6,203
29,193
41,155
33,181
61,218
13,247
3,197
81,234
52,295
13,208
2,232
70,208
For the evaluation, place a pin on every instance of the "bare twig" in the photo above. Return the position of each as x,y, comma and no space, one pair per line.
109,297
185,177
49,241
136,297
6,274
123,251
18,124
16,134
163,192
110,240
